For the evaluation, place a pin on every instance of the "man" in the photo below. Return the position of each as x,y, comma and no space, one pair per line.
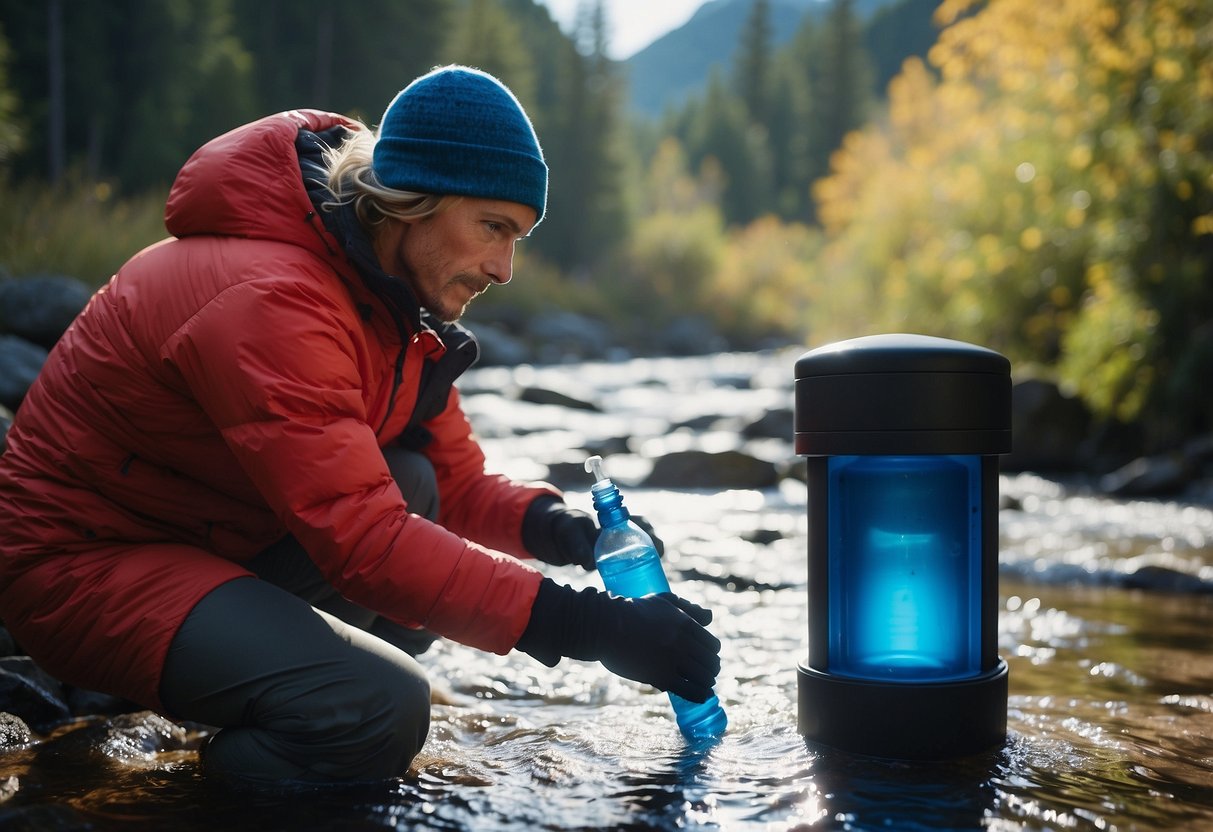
242,490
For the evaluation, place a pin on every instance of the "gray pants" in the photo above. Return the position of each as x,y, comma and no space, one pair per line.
303,685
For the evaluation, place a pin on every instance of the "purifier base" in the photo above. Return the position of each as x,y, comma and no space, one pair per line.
910,721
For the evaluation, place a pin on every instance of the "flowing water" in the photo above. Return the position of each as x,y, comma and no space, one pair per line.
1110,718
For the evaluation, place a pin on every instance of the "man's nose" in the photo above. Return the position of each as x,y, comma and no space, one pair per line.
500,269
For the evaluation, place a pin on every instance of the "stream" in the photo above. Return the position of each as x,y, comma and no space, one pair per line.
1110,714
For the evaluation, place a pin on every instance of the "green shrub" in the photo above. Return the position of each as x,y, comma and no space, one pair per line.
78,228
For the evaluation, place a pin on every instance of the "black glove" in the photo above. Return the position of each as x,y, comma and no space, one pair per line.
559,535
657,640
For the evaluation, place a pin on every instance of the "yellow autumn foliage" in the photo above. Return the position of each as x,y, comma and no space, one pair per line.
1042,185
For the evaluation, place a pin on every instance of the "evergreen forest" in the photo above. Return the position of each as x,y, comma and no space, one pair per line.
1032,177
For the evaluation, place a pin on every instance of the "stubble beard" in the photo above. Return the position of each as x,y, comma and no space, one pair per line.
440,304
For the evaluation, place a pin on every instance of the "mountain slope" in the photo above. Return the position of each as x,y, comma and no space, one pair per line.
679,64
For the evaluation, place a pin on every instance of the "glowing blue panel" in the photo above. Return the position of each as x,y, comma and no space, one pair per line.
905,567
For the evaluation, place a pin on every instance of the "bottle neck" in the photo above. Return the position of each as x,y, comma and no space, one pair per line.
608,502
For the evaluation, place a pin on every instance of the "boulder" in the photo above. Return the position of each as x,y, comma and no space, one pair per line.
1161,475
41,307
567,336
1047,428
1154,476
20,363
689,335
28,692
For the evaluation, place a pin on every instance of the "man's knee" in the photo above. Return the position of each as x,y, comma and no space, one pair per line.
386,729
374,715
348,727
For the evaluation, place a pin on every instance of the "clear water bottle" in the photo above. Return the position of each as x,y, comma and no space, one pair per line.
630,567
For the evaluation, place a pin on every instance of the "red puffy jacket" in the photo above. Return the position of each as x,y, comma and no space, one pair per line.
226,387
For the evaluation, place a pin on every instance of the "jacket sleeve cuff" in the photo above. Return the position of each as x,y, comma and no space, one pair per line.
542,637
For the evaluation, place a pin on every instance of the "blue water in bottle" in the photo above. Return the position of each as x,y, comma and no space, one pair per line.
630,567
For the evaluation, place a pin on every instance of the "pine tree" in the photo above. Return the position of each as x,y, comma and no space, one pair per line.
842,84
752,69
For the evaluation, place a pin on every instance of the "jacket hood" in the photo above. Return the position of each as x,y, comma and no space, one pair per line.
247,183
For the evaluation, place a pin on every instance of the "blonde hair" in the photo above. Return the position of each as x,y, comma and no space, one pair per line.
352,180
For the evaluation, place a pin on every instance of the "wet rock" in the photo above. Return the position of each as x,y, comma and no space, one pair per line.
1008,502
13,731
689,335
568,336
778,423
698,424
542,395
731,581
1162,475
141,734
606,447
1156,476
45,818
124,737
794,469
40,308
1163,579
20,363
567,475
733,380
31,693
82,702
1047,428
499,348
1109,446
762,537
703,469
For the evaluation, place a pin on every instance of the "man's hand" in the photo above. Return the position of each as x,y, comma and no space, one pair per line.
559,535
657,640
660,640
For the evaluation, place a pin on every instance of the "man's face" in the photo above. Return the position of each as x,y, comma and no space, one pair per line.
454,255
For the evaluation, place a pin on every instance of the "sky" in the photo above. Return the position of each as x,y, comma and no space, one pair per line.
632,24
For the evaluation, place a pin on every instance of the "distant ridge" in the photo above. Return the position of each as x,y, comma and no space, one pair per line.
678,65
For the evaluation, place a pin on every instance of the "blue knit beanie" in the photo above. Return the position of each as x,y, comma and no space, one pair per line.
460,131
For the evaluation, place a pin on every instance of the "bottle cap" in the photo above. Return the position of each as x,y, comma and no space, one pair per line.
594,466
